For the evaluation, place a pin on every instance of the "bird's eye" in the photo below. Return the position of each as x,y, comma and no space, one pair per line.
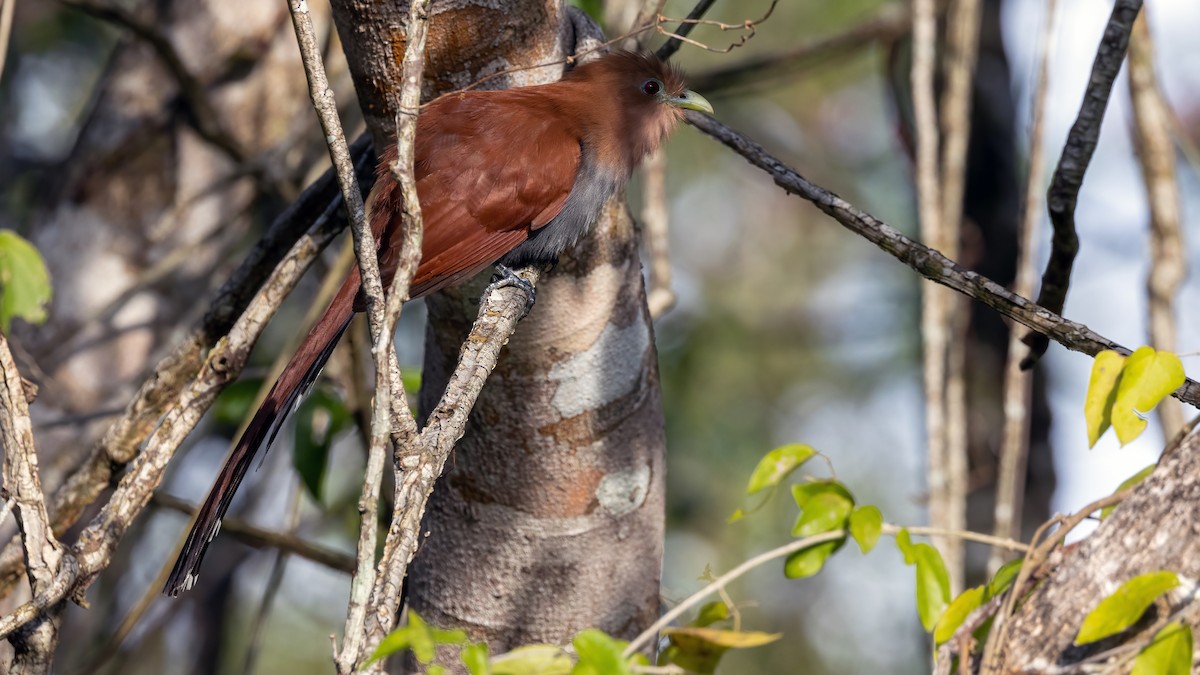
651,87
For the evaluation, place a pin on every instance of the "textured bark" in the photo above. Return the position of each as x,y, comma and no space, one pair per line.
1156,528
551,518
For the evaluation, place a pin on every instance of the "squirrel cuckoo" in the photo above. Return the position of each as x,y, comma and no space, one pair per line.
509,177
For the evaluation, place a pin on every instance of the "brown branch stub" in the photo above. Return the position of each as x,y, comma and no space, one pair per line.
927,262
1073,164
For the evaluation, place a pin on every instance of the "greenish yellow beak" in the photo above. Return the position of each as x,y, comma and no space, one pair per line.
690,100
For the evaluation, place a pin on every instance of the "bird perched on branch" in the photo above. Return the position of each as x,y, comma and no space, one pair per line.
510,177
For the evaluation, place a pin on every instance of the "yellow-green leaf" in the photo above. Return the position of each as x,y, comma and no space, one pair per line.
809,561
1170,653
711,613
777,465
825,512
802,492
1128,483
866,522
475,657
933,582
1124,607
533,660
698,650
599,654
24,282
958,611
1102,393
1148,377
1004,577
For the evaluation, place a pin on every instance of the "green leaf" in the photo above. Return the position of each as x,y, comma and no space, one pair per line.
1128,483
599,654
318,421
24,281
435,669
711,613
866,522
809,561
736,516
533,660
904,543
698,650
1123,608
1148,377
233,405
475,657
933,583
958,611
777,465
802,492
1102,393
1004,577
824,512
1170,653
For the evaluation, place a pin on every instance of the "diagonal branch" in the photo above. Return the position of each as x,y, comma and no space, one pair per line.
1073,165
926,261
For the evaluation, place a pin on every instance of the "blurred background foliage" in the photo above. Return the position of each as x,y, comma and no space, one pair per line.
786,329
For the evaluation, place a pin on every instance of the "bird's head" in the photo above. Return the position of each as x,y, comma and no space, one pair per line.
646,97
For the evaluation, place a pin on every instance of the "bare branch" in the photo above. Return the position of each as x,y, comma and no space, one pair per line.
924,260
1073,165
44,558
656,233
686,26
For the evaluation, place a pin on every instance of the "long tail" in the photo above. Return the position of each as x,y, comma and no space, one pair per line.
297,377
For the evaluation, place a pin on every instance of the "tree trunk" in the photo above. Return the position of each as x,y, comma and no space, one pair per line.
551,517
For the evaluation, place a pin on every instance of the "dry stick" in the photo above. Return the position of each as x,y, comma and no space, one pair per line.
718,584
122,441
1168,268
384,592
891,22
34,649
962,42
258,537
1036,556
1014,444
94,547
656,233
1073,165
6,21
927,262
935,302
366,250
672,45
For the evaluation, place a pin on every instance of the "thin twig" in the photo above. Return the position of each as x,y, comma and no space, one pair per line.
927,262
1033,560
963,535
6,21
887,25
392,414
1018,383
720,582
1156,152
672,45
1073,165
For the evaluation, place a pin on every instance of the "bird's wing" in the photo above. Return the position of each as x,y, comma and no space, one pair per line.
490,168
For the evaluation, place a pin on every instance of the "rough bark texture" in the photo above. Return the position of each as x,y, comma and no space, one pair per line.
1156,528
551,518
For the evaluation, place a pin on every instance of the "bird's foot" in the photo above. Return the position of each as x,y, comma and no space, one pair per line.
505,276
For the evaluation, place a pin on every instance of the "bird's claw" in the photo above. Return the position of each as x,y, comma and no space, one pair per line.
504,277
